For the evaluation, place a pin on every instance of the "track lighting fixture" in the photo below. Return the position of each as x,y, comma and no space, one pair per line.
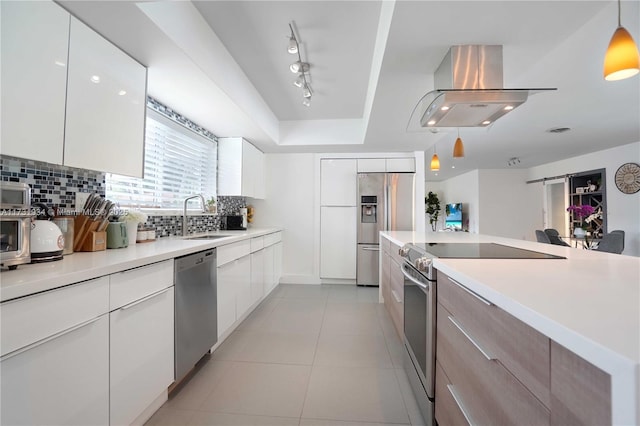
458,147
513,161
435,161
622,59
299,67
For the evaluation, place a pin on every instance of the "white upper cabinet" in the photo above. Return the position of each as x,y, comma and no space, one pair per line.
106,96
372,165
35,37
399,165
240,169
338,182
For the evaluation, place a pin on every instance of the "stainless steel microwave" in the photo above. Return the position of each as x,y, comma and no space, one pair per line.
15,224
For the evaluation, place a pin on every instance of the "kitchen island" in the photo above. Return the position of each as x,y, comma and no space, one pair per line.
589,303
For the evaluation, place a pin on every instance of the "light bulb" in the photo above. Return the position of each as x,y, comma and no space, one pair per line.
306,92
293,46
306,102
299,82
298,66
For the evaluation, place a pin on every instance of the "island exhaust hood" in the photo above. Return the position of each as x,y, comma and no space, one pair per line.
469,90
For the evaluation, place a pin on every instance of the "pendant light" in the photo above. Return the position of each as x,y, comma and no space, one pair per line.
458,147
621,60
435,161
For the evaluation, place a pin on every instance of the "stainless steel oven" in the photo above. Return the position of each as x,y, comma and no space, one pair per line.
15,224
420,329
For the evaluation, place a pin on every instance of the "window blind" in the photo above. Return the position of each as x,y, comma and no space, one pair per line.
177,163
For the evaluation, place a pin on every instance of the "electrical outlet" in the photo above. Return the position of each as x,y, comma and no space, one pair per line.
81,198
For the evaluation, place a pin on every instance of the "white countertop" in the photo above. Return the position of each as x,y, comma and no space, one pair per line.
81,266
589,302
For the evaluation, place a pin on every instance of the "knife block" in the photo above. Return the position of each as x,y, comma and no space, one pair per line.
94,241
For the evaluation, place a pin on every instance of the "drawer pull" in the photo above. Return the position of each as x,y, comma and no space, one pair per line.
480,298
459,404
47,339
371,248
144,299
395,296
473,342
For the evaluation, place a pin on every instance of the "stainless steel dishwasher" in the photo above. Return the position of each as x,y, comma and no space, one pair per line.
196,312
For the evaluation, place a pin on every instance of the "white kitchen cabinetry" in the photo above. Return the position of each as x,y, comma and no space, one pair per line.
55,357
338,182
277,263
233,283
106,104
141,333
35,37
240,169
401,165
338,229
372,165
257,269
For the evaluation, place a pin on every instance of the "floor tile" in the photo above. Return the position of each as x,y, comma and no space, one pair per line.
319,422
351,318
257,318
295,316
354,394
306,292
396,348
353,350
260,389
267,347
203,418
191,395
415,416
166,416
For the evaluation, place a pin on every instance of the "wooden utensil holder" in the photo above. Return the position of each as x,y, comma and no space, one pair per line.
94,241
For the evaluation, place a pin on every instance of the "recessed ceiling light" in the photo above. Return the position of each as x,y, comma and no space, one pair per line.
486,122
453,167
508,108
60,63
122,92
95,79
432,122
444,108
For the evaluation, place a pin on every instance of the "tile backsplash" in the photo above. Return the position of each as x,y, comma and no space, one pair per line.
56,185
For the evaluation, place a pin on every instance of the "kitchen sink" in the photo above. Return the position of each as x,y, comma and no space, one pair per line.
207,237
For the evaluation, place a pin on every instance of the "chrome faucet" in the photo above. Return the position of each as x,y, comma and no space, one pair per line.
184,211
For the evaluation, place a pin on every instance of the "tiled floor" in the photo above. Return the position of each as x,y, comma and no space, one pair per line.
308,356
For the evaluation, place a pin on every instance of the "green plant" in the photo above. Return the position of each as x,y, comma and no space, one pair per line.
432,204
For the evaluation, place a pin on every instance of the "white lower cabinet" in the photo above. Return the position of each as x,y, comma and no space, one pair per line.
257,276
61,380
338,242
269,261
234,291
141,354
277,263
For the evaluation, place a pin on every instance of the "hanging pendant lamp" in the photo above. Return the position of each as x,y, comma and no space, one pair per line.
435,161
458,147
622,59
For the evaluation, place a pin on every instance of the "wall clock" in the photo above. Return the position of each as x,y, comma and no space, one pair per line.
628,178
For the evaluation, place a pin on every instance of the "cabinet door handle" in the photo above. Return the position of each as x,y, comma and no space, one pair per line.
473,342
144,299
456,398
47,339
477,296
423,286
371,248
395,296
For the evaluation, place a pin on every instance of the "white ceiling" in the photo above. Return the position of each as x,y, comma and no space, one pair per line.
224,65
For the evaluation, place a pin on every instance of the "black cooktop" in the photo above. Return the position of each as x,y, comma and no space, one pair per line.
478,251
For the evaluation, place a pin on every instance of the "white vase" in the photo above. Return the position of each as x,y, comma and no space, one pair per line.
132,231
579,233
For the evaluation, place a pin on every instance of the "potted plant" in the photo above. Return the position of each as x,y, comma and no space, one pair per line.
211,205
132,218
432,204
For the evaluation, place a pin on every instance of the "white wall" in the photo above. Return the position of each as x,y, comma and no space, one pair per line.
623,210
508,206
290,191
460,189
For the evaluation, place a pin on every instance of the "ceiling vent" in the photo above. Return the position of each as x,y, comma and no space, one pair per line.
469,90
559,130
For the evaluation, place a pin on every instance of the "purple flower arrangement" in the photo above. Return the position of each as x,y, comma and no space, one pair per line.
581,211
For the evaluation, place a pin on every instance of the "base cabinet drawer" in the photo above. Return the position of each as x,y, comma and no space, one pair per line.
490,394
521,349
61,381
396,296
449,408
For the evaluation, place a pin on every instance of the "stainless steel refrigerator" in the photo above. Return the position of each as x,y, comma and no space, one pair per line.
386,201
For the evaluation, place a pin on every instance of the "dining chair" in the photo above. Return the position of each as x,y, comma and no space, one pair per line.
554,237
613,242
542,237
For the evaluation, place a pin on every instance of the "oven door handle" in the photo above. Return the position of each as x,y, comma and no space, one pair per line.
413,280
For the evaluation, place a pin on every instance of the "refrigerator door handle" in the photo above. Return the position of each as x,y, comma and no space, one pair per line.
387,208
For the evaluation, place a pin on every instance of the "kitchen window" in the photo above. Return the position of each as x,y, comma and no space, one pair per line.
178,162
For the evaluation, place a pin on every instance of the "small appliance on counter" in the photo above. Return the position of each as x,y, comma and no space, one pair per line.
117,235
15,224
233,222
47,241
65,223
244,214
